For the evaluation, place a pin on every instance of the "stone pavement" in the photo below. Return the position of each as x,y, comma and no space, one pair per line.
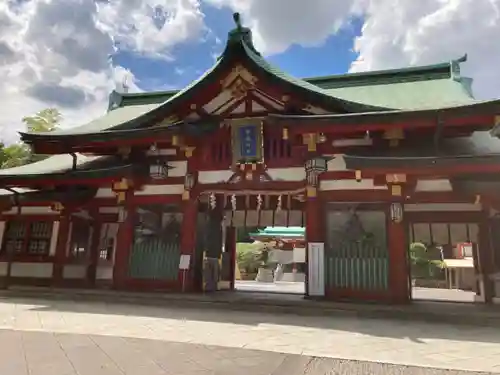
64,338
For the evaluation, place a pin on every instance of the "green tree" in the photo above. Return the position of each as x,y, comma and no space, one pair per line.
43,121
15,155
18,154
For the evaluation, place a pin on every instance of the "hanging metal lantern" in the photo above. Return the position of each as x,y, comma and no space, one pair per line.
397,212
122,214
314,167
188,186
159,170
189,181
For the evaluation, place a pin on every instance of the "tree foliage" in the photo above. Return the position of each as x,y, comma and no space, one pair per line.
19,154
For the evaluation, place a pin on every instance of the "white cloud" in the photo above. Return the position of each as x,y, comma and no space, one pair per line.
57,52
396,33
401,32
152,27
277,24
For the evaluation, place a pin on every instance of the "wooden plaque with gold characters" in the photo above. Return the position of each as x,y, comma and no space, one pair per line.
247,141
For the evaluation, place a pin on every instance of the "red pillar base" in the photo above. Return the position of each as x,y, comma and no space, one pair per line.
398,261
188,243
124,240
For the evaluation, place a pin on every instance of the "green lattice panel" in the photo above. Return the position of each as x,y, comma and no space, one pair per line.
154,259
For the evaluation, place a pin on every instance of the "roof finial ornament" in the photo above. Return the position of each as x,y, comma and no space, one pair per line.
237,20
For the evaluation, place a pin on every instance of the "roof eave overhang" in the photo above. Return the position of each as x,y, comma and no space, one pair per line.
78,177
439,165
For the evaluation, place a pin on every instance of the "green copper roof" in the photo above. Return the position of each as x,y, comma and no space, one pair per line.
435,94
279,232
53,164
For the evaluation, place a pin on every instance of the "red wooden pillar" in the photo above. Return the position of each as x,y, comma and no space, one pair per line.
124,240
398,267
188,241
486,261
63,236
313,226
94,252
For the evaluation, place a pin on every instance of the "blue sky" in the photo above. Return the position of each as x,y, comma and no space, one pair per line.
191,59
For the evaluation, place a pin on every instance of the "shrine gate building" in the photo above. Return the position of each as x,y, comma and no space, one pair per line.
366,162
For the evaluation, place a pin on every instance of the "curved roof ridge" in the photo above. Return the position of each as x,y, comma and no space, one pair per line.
445,68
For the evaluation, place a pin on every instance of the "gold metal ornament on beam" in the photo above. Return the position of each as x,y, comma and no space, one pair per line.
309,139
57,206
357,175
396,190
188,151
121,196
396,178
285,134
121,185
478,199
394,136
311,191
175,140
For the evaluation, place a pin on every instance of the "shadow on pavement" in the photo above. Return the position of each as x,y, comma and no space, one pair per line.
359,322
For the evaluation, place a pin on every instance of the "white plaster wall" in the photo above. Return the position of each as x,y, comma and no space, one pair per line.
74,271
213,177
425,207
105,193
41,270
160,190
53,239
4,268
287,174
365,184
35,210
179,168
162,151
434,185
104,272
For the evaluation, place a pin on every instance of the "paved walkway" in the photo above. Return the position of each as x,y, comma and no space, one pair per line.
63,338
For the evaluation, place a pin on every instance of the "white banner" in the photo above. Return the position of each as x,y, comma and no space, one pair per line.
316,268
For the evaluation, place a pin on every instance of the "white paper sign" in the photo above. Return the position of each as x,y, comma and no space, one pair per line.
299,255
316,268
184,261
